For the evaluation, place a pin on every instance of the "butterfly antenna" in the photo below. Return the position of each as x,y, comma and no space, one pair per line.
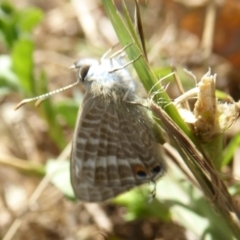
40,98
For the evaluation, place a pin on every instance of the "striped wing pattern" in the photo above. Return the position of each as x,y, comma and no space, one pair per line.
111,146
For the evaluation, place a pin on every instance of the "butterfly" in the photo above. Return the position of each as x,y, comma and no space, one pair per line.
114,148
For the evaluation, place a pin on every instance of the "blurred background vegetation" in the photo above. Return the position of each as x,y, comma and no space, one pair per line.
39,40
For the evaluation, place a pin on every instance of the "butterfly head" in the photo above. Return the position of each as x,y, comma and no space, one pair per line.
83,67
107,78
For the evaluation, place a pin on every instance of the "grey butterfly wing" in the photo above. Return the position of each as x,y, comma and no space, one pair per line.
136,129
112,150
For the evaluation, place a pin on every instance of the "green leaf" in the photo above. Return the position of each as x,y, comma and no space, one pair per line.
16,24
29,19
8,79
8,16
22,63
138,205
60,176
230,149
48,112
68,110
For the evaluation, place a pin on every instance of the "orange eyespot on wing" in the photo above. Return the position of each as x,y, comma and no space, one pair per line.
140,171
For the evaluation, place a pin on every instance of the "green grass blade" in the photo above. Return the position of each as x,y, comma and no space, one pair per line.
230,149
141,66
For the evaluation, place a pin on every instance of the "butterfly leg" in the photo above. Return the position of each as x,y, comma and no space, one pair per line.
125,65
120,51
104,56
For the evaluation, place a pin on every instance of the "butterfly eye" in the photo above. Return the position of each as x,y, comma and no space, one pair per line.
156,169
83,71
